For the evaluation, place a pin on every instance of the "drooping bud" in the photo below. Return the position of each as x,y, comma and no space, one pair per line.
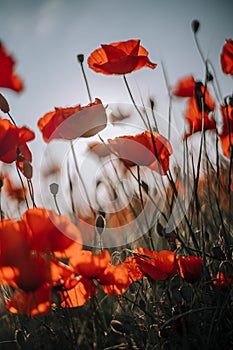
4,106
195,26
54,188
80,58
27,169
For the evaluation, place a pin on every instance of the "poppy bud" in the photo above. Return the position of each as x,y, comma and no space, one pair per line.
100,224
209,77
54,188
4,106
80,58
27,169
195,26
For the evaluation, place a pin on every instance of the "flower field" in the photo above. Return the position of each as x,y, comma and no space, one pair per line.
129,244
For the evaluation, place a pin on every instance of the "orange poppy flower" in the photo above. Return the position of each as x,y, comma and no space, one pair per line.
120,58
72,122
157,265
190,268
52,233
185,87
8,78
148,149
227,57
13,142
226,135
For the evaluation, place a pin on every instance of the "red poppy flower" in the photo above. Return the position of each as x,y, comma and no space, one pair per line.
227,57
32,303
120,58
52,233
199,102
226,135
13,142
194,118
148,149
89,265
185,87
190,268
72,122
8,78
100,149
223,281
79,295
157,265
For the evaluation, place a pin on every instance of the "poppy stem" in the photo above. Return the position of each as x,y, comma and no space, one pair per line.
81,179
11,118
23,187
80,59
133,101
169,101
56,204
143,208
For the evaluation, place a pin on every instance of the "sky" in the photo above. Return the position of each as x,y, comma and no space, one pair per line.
46,36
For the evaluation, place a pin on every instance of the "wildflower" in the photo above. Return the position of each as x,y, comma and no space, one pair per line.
185,87
29,248
148,148
157,265
199,104
190,268
13,142
223,281
226,135
120,58
8,78
72,122
98,148
227,57
52,233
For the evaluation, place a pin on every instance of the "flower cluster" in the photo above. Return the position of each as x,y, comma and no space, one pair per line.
42,253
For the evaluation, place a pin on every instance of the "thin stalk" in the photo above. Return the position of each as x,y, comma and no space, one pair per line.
23,187
85,78
142,203
81,179
133,101
56,204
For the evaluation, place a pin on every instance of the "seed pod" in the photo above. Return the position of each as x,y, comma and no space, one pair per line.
4,106
195,26
27,169
80,58
100,224
54,188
